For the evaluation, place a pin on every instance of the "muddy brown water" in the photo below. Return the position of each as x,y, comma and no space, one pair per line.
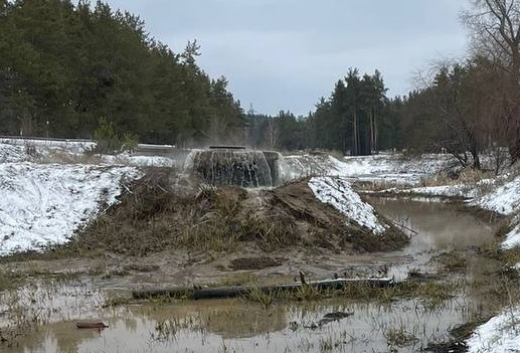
433,227
243,326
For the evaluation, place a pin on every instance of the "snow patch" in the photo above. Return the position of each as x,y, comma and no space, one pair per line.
12,154
44,204
338,192
45,147
468,190
513,237
383,167
138,161
501,334
504,200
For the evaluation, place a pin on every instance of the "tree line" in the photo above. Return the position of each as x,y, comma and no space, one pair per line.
67,70
85,70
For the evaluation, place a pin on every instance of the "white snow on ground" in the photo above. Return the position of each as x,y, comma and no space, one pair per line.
396,164
383,167
14,151
501,334
339,193
138,161
43,204
512,238
504,200
12,154
464,190
49,146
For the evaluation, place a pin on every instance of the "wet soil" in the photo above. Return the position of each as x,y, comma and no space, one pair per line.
404,325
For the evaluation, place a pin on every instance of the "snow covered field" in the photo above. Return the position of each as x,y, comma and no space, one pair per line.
46,147
44,204
17,150
391,168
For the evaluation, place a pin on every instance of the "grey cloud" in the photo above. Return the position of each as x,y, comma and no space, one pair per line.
285,54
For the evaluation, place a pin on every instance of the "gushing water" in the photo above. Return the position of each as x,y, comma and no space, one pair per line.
232,166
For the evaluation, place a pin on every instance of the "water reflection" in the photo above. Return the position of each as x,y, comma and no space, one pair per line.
437,226
241,326
433,227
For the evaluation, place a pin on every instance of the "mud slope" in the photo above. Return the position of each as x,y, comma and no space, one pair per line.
155,215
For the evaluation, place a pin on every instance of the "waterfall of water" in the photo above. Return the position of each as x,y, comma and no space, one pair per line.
241,167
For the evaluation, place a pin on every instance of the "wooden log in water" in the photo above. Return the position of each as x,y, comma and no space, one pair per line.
91,325
240,291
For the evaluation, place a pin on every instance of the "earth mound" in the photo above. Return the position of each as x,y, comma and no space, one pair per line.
155,215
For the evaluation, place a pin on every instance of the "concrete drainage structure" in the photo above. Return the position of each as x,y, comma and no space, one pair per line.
235,165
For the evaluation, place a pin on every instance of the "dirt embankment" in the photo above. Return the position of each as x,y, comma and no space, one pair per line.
162,233
155,215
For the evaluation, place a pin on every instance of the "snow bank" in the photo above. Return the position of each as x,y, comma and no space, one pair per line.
382,167
504,200
138,161
512,238
501,334
339,193
468,190
43,204
12,154
48,146
427,164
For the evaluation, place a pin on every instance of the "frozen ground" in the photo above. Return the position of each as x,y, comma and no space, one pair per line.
338,192
14,151
468,190
138,161
44,204
389,168
501,334
505,200
49,146
12,154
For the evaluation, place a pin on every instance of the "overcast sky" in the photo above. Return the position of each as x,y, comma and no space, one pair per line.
286,54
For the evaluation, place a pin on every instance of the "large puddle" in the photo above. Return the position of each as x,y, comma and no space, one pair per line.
239,326
433,227
243,326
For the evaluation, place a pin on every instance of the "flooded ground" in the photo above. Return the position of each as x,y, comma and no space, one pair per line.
240,326
332,325
434,227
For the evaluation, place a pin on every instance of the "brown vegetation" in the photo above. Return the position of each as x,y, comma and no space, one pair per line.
156,215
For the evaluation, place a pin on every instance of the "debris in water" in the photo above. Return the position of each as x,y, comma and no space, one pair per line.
91,325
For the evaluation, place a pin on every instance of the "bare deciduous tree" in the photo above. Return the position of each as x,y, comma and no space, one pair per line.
495,29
